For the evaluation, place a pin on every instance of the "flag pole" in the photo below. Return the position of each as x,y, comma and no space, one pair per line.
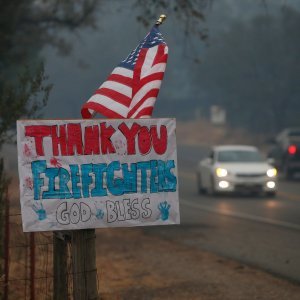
161,19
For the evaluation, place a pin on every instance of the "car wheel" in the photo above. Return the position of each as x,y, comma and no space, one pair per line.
201,189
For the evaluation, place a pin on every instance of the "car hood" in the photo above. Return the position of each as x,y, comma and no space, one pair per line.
245,168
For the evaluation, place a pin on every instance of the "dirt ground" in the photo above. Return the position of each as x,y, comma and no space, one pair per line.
134,264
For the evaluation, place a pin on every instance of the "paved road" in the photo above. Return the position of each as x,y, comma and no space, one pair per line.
263,232
283,210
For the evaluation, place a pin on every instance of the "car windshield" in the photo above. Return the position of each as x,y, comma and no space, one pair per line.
239,156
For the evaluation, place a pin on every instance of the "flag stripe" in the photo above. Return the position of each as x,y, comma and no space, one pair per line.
123,71
98,107
146,112
110,103
148,102
159,57
137,71
156,69
123,89
148,62
120,79
114,95
151,93
151,77
155,84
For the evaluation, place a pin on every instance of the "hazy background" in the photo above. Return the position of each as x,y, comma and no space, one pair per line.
240,55
249,64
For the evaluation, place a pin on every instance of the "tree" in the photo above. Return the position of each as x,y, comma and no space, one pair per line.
25,27
252,71
190,13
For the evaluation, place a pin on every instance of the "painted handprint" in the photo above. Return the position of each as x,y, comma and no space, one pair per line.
27,151
29,183
99,214
55,162
164,207
41,213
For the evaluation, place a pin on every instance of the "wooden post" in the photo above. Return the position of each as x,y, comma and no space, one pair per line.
60,283
32,265
84,265
6,245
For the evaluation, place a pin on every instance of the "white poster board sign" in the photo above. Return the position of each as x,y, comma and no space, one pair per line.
77,174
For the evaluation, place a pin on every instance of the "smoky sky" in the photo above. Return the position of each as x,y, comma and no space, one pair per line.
97,51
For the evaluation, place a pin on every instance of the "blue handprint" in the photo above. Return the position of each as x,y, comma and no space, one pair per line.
99,214
40,212
164,210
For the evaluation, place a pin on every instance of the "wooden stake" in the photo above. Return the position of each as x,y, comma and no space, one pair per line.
84,265
6,245
60,283
32,265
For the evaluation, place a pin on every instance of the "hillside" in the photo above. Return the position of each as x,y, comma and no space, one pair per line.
202,132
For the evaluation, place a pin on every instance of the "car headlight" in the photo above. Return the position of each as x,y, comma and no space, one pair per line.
220,172
272,172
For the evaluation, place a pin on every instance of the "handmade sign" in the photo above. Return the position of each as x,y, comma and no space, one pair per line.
77,174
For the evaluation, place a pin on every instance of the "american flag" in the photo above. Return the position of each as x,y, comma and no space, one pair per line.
132,88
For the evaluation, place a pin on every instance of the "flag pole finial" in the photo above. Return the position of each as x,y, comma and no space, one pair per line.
161,19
